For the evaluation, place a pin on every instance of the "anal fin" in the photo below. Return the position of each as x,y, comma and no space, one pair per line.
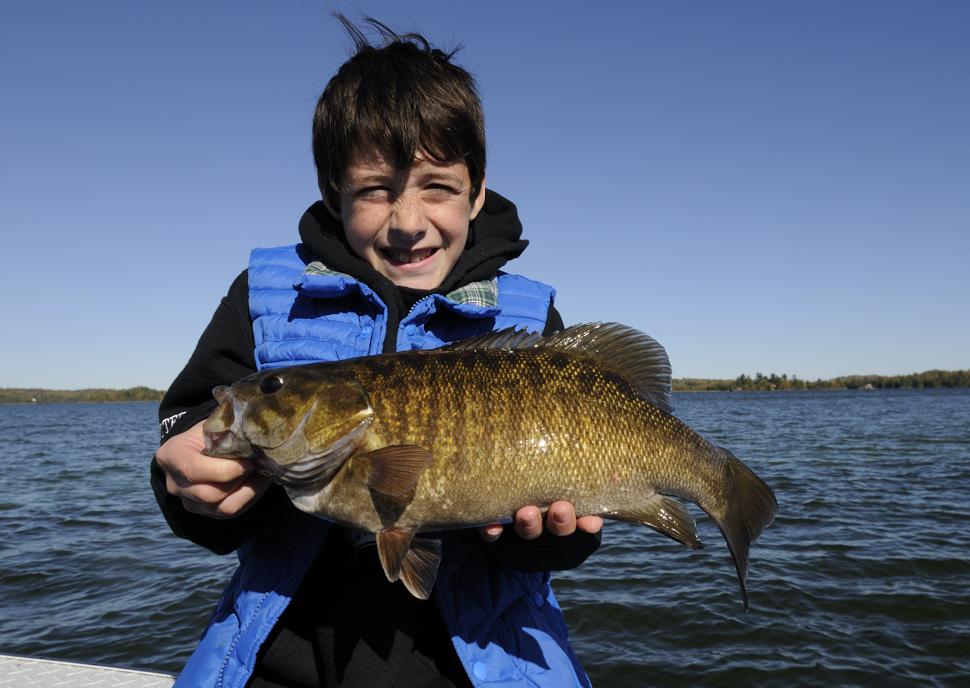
665,515
413,561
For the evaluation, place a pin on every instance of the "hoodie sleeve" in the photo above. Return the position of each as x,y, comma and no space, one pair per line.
223,354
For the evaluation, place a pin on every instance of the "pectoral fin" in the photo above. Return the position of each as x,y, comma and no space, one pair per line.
413,561
665,515
395,469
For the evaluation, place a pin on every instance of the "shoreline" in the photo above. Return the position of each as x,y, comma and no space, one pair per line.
37,395
918,381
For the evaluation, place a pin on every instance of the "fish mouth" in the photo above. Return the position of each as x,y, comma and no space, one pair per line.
226,441
227,444
291,462
229,441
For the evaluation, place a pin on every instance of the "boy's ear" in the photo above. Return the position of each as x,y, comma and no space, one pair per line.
334,212
322,185
479,201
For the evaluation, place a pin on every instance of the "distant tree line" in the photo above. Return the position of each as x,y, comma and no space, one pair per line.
743,383
927,380
47,396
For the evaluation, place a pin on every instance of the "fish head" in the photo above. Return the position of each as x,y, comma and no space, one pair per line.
300,423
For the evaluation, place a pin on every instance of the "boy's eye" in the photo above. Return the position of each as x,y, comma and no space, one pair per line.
441,189
372,192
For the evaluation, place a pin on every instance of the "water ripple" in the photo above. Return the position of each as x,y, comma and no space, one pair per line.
861,581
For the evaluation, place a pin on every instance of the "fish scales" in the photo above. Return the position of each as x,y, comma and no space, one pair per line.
537,426
423,441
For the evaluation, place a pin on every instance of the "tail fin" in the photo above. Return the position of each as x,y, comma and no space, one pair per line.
749,508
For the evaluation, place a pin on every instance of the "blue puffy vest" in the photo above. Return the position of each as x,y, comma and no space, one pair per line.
506,625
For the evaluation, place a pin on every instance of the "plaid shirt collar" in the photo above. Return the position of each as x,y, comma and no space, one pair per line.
483,294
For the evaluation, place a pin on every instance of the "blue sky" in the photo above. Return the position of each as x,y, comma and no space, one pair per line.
762,186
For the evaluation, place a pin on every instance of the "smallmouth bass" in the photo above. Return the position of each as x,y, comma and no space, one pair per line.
464,435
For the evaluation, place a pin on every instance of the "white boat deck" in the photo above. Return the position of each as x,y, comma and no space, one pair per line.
26,672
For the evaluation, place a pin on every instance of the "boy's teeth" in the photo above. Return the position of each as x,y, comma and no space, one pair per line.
408,256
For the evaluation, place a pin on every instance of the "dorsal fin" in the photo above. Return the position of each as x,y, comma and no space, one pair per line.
509,338
633,355
637,357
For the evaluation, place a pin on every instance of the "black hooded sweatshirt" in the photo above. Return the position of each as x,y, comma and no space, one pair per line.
346,624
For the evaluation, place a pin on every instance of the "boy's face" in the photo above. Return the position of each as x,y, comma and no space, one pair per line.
410,225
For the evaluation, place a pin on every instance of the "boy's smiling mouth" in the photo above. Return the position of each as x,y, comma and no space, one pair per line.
402,256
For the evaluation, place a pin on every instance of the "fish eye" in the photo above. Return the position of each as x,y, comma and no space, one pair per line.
270,384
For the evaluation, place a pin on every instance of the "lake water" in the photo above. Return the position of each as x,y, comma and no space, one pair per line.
863,580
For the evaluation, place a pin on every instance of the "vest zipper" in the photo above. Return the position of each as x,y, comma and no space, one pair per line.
397,330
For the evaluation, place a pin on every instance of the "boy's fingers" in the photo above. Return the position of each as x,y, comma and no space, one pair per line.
492,531
243,497
181,458
199,468
200,508
528,522
204,495
561,518
220,501
589,524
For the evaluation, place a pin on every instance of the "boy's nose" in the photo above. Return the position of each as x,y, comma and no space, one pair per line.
409,218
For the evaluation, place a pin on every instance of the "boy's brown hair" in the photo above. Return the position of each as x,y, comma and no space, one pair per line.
397,99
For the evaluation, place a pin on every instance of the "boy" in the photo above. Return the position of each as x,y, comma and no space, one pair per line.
403,252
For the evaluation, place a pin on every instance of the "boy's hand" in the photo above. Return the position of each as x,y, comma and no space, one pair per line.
207,485
560,520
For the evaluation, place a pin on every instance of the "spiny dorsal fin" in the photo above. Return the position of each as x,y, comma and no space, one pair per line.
637,357
509,338
395,469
